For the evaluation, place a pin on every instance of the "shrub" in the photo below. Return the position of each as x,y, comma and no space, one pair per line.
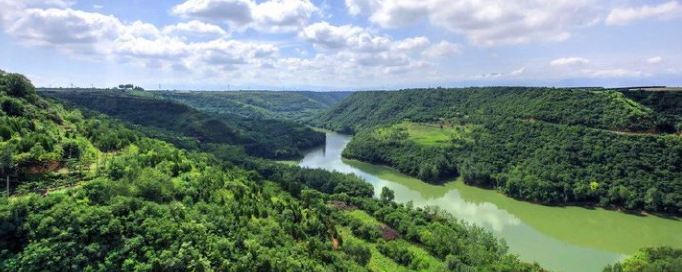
360,253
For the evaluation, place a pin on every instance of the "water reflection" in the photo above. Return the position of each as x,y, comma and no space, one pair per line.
560,239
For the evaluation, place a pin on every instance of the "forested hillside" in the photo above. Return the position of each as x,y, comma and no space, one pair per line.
276,139
112,199
593,108
544,145
289,105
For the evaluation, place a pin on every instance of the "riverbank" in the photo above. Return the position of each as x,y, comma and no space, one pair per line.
559,238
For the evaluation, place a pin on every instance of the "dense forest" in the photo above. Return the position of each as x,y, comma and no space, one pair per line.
613,110
91,193
290,105
526,142
186,126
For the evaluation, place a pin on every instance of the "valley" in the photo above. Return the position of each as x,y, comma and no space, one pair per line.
619,150
158,174
558,238
341,136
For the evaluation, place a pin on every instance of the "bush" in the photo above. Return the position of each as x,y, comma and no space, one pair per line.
13,107
397,252
360,253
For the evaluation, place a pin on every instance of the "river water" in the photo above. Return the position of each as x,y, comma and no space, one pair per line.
558,238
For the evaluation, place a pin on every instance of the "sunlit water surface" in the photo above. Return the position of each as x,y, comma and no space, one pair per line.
561,239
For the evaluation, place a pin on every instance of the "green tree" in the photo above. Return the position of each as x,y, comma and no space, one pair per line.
653,200
360,253
18,85
6,165
387,195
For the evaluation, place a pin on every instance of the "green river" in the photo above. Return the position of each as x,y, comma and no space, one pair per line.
558,238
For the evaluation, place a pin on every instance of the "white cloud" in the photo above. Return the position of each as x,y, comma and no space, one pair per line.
485,22
569,61
511,74
194,28
616,73
348,53
325,36
442,49
410,44
654,60
283,15
234,12
365,53
70,30
101,36
518,72
357,7
622,16
269,16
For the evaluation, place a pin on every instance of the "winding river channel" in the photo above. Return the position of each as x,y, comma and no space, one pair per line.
558,238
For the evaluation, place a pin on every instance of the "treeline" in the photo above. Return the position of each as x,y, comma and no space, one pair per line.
141,204
186,126
603,109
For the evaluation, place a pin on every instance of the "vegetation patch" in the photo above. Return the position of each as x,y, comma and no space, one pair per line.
553,146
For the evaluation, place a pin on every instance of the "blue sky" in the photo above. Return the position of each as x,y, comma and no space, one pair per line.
342,45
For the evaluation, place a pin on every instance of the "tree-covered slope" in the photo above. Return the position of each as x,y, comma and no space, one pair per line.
134,203
538,161
275,139
551,146
291,105
665,103
599,109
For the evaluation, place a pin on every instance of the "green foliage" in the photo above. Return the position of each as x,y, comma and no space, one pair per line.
598,109
12,107
17,85
358,252
665,104
365,231
394,147
387,195
188,127
663,259
258,104
544,145
397,252
115,200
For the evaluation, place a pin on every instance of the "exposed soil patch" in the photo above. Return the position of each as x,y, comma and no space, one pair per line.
44,168
389,234
335,243
342,205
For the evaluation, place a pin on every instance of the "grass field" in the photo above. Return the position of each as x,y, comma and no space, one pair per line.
363,217
290,163
431,134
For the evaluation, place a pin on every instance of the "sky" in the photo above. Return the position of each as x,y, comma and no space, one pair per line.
353,45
